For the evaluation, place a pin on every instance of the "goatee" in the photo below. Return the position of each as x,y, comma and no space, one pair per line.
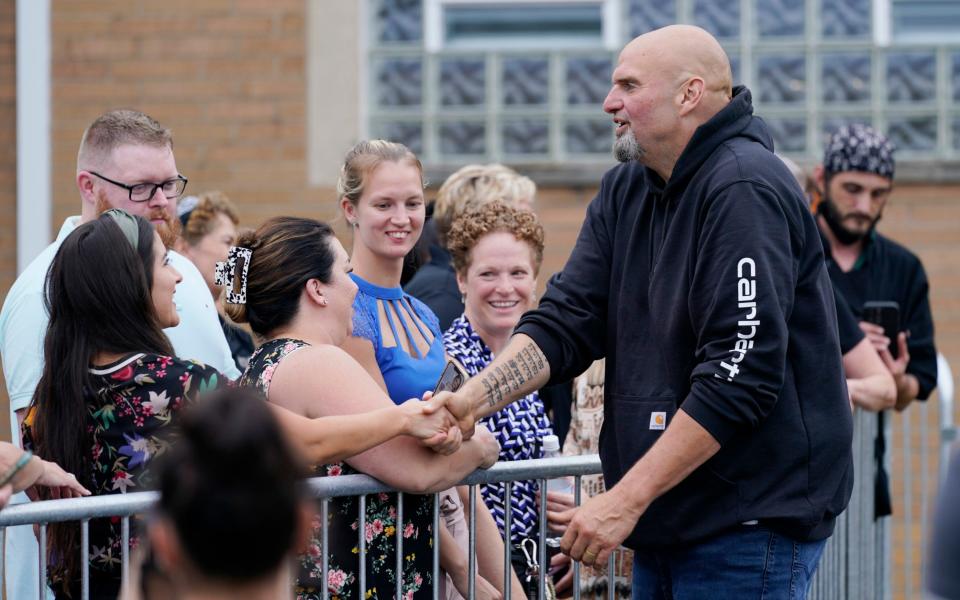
627,149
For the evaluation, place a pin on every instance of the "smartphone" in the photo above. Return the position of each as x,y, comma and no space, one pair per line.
450,380
887,315
10,473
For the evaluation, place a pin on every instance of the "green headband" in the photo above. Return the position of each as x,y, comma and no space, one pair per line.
128,225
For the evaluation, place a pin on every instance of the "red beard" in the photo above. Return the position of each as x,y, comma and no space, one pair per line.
169,230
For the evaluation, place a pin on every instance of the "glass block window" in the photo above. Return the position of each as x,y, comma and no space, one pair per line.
398,20
525,81
719,17
911,77
789,134
525,136
462,81
589,136
588,80
781,79
780,18
845,18
462,138
399,82
845,77
913,133
645,16
831,124
408,133
955,77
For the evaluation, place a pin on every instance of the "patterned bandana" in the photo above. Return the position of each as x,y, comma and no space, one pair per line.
859,148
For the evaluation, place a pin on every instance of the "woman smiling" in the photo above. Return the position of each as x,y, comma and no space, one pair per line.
497,251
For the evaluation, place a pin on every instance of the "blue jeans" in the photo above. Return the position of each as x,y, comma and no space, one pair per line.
750,563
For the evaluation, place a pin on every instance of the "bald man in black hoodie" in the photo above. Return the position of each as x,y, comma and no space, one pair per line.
700,275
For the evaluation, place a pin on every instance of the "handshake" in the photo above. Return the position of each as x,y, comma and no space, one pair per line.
444,421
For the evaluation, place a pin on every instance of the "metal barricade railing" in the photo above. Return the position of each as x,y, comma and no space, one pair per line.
853,558
883,558
856,561
948,430
324,488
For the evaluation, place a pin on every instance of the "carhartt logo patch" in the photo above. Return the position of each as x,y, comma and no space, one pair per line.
658,420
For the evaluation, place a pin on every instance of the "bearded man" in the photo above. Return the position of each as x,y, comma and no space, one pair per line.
699,275
125,161
855,182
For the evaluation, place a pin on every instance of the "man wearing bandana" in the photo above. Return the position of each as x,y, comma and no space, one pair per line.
855,182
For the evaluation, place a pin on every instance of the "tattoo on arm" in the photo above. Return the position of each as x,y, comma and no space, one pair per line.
510,377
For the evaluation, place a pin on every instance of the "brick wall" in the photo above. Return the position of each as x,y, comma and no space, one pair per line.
228,76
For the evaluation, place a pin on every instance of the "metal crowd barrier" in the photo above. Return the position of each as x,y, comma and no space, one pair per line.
324,488
856,561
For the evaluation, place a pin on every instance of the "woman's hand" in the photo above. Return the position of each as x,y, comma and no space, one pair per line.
483,588
491,446
5,493
558,562
429,422
558,510
60,483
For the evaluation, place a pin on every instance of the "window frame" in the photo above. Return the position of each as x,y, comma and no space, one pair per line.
434,36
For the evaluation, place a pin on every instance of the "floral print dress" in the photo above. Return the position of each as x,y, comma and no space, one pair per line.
131,407
380,529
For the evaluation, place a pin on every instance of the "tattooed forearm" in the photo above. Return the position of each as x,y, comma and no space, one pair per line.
505,379
525,364
533,353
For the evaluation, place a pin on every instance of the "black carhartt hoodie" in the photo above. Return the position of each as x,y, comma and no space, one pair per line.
709,293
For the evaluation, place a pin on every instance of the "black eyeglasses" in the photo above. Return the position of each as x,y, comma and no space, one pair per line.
141,192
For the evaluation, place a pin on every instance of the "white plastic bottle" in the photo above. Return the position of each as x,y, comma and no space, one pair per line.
564,485
551,449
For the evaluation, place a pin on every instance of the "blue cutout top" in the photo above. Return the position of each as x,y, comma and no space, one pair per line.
406,376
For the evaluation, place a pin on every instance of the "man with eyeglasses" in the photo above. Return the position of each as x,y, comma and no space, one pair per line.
125,161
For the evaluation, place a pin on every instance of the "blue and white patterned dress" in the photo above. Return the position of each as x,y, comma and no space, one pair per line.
519,427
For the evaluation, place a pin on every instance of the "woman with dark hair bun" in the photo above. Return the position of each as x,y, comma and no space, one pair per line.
298,296
231,510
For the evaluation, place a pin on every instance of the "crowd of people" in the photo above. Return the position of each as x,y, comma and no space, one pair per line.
713,320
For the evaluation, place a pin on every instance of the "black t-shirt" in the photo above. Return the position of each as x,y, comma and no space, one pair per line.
887,271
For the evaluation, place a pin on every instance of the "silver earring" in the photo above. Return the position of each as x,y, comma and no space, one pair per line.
463,298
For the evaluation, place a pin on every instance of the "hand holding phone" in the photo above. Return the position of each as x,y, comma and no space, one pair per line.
450,380
886,314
